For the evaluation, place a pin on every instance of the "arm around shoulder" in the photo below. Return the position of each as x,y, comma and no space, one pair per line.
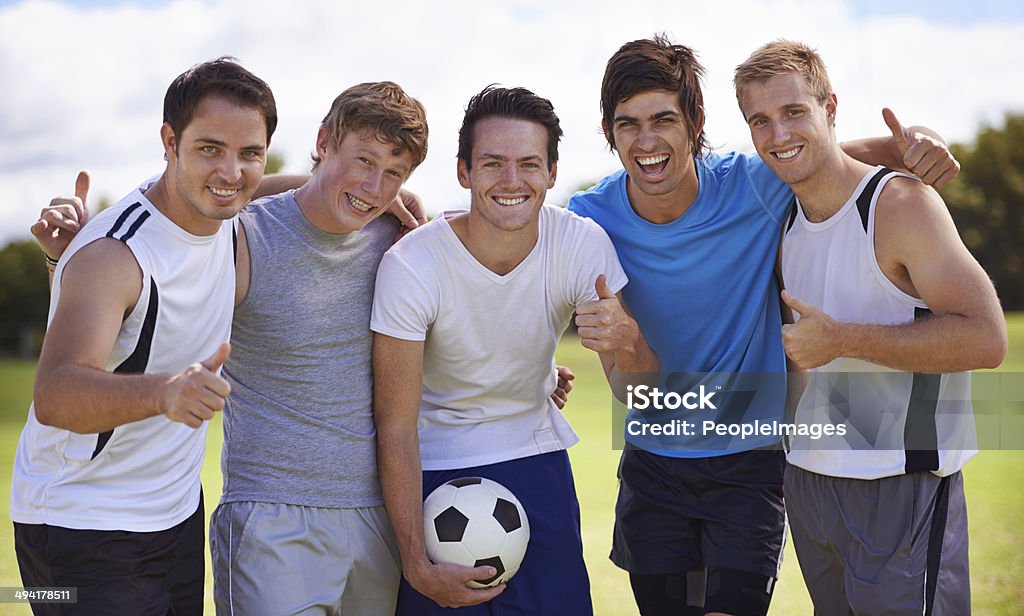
278,183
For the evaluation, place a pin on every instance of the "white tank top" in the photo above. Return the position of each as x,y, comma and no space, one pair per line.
142,476
896,422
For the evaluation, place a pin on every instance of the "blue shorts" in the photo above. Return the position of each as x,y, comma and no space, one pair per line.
553,578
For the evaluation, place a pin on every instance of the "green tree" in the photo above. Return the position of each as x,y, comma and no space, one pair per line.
24,297
984,202
275,162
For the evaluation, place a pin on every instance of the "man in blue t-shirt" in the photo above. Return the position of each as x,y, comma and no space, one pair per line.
697,234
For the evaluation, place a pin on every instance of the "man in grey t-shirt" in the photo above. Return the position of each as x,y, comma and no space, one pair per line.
301,522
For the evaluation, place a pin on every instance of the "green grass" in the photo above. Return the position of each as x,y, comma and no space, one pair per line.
995,494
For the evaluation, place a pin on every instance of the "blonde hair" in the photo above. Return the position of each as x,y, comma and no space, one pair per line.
782,57
383,108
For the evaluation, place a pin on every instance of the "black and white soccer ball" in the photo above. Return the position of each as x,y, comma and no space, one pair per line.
472,521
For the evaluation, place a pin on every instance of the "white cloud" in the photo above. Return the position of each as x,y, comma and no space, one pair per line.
83,88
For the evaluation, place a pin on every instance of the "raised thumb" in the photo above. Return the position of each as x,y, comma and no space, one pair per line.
898,132
601,286
219,357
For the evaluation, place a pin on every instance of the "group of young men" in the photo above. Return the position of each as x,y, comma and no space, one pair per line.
361,375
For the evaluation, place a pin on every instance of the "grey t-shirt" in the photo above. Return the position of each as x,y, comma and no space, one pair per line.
298,426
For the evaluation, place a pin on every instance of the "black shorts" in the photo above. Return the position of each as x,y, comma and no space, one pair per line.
675,515
115,571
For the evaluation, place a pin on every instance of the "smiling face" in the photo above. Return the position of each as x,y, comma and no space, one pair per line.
653,144
508,173
215,164
353,183
792,130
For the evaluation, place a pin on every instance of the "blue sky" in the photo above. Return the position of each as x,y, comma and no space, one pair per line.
83,81
955,12
951,12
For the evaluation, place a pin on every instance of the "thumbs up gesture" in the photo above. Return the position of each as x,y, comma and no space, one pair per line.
603,324
814,339
195,394
60,221
922,151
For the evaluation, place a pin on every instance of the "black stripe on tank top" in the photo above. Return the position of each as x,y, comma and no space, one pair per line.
123,217
135,226
138,360
867,195
920,434
792,213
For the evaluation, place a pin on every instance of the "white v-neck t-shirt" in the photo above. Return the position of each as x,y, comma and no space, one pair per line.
489,340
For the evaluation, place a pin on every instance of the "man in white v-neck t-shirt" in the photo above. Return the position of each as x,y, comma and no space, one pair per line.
473,305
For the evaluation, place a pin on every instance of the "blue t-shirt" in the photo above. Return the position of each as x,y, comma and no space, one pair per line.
703,291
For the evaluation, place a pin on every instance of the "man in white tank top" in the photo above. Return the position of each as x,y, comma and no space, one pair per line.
287,421
106,495
887,302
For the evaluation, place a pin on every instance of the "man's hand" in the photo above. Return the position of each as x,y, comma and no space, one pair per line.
564,386
60,221
408,209
812,340
195,394
922,154
445,584
603,324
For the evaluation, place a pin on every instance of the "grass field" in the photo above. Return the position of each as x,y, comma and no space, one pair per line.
995,493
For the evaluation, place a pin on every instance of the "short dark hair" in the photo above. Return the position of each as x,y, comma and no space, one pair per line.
225,78
655,64
383,108
515,103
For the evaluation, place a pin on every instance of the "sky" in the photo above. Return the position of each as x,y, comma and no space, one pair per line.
83,82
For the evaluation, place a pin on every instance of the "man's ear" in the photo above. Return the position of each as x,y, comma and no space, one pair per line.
607,131
322,142
830,108
169,141
554,173
463,173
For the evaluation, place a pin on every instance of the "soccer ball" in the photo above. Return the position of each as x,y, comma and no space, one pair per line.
472,521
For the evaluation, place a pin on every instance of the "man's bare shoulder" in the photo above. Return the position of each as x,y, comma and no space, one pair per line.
106,264
908,205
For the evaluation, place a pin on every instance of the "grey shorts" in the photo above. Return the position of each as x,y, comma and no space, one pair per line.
285,559
896,545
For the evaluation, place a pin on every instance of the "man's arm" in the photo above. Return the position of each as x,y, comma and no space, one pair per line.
915,149
74,391
919,250
278,183
243,264
605,326
397,391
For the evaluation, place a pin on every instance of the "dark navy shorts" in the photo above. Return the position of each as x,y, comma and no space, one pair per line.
553,578
675,515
